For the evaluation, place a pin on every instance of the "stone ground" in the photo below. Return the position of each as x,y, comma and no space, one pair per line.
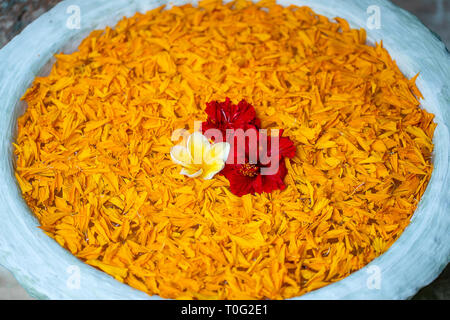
17,14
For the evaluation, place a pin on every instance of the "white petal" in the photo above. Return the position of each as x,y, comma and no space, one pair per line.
180,155
211,171
218,151
190,173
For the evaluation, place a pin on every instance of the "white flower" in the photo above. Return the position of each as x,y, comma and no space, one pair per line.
199,157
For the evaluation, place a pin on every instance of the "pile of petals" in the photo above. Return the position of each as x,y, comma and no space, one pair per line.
247,176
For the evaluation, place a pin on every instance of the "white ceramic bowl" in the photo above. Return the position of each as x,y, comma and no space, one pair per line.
44,268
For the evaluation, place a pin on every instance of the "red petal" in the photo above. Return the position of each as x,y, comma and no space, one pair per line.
258,185
287,148
275,181
245,112
211,110
239,184
225,115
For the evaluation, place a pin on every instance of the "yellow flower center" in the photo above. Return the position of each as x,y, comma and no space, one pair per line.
249,170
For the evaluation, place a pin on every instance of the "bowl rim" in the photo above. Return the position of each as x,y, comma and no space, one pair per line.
44,268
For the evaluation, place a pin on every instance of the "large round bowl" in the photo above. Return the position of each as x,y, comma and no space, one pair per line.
46,270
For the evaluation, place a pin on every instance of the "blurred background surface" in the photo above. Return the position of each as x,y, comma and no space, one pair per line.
17,14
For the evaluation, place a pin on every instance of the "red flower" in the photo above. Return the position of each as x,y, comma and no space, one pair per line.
225,115
251,167
256,177
246,178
